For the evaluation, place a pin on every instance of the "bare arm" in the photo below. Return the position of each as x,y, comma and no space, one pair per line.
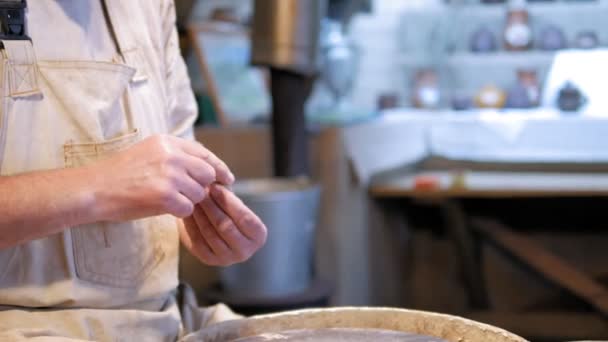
39,204
160,175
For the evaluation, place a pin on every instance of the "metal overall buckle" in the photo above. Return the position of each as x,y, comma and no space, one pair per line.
12,20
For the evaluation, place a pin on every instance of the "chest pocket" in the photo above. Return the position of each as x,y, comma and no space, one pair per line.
114,254
88,95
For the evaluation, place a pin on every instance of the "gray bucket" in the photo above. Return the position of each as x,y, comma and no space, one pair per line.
284,265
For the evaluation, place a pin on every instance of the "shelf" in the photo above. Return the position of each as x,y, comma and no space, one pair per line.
535,7
440,38
502,57
532,57
451,27
469,71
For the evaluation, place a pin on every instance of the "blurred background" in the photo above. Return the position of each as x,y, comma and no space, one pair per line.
449,156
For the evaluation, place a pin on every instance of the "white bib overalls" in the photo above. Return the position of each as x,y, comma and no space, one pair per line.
86,86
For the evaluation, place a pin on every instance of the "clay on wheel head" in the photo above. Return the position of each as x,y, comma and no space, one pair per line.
339,334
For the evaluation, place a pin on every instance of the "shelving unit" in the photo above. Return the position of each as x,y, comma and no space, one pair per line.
439,38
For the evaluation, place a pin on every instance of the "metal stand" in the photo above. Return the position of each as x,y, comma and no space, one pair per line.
290,141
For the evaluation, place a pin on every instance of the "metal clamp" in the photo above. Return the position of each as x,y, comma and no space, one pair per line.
13,20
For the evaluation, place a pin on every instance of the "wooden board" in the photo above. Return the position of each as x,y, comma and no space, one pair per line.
543,262
480,184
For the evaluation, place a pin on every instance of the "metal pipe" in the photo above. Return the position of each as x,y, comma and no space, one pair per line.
285,38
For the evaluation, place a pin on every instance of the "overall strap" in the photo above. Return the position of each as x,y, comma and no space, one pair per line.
13,20
119,16
18,67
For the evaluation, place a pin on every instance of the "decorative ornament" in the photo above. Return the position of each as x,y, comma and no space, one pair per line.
483,40
490,96
586,40
552,38
426,93
517,34
570,98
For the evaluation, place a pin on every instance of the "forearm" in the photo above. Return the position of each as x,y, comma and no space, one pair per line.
39,204
160,175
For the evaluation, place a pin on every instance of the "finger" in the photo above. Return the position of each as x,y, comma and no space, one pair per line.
193,241
240,245
223,174
214,240
247,221
198,169
179,206
190,188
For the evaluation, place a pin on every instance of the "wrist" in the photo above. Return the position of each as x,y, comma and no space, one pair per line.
90,193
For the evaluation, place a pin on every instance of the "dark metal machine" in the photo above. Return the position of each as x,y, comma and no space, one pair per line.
285,38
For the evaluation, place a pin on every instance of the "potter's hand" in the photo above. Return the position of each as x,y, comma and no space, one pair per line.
222,231
160,175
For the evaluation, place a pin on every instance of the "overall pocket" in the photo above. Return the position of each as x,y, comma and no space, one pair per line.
79,114
113,254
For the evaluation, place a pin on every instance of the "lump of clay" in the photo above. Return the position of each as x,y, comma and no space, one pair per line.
338,335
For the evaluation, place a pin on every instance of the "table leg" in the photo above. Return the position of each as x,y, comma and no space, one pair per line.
469,253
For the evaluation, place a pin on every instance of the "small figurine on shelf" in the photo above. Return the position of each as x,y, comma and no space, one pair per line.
570,98
552,38
517,33
490,96
387,100
526,91
586,40
426,93
461,102
517,97
483,40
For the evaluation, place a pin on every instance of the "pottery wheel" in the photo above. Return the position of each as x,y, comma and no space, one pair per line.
339,334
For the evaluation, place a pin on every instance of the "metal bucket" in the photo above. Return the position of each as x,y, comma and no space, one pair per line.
449,328
284,265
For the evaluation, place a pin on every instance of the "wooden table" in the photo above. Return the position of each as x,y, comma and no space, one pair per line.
478,184
448,188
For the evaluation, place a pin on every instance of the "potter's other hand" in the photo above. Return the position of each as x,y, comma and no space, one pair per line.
223,231
160,175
